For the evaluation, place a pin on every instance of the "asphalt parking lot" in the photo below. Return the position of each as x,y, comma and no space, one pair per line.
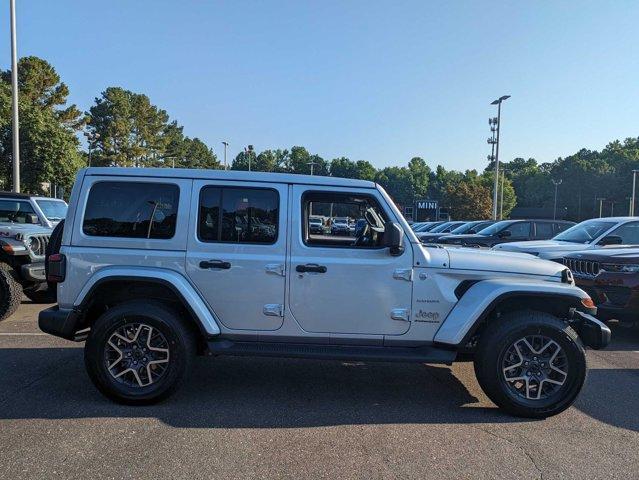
272,418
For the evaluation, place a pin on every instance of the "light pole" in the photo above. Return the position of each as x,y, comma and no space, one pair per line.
498,103
91,138
248,151
601,200
632,203
556,183
226,144
14,100
312,164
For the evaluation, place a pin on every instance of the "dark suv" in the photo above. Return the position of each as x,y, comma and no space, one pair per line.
509,231
611,277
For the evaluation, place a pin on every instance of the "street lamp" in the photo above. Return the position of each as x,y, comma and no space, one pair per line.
14,100
634,182
601,200
312,164
248,151
556,183
498,103
226,144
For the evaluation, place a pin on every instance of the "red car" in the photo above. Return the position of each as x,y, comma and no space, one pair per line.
611,278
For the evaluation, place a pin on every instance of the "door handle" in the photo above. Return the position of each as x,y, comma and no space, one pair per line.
208,264
311,267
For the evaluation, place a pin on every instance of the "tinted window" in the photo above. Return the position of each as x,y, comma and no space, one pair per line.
628,232
585,232
17,211
238,215
131,209
560,227
544,230
519,230
54,210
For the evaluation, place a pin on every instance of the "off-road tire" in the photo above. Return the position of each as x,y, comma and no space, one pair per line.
181,341
506,330
10,292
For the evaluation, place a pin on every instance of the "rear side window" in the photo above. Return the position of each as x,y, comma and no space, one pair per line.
238,215
544,230
131,210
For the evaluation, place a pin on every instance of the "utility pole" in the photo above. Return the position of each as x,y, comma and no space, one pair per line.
14,100
600,205
248,152
226,144
556,183
496,186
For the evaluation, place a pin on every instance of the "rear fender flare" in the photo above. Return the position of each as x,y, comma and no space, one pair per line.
191,299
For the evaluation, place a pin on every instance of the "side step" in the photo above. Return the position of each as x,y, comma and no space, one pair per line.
425,354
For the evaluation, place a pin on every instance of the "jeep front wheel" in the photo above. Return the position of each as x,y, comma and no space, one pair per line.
10,292
530,364
138,353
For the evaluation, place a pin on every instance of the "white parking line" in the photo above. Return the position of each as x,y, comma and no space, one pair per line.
11,334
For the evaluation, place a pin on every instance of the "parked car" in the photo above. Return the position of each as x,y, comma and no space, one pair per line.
316,225
149,275
427,226
465,229
509,231
611,277
590,234
25,228
342,226
437,232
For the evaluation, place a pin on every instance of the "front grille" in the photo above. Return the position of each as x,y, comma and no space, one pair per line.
38,244
586,268
618,296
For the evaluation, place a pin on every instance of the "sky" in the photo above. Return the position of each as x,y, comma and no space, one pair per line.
373,80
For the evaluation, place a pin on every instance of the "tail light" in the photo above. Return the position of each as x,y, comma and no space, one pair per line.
56,268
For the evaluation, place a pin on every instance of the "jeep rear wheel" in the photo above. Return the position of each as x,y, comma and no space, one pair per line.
138,353
530,364
10,292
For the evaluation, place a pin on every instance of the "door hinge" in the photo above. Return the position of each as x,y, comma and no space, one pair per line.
403,274
273,310
276,268
402,314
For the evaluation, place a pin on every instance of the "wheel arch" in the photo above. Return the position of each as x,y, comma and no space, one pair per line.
110,286
487,299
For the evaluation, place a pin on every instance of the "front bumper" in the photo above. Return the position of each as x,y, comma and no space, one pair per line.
592,332
59,322
34,272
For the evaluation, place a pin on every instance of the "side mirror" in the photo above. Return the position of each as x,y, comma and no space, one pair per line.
504,234
394,238
611,240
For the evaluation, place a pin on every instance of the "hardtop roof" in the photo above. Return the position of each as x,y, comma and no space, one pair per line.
230,175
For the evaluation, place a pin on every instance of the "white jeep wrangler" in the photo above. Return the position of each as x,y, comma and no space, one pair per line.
155,266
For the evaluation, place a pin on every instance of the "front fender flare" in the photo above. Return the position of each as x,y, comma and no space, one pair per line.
169,278
480,299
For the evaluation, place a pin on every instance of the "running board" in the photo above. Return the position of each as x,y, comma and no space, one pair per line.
424,354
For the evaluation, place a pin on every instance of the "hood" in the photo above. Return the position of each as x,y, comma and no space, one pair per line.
496,261
628,255
10,230
537,246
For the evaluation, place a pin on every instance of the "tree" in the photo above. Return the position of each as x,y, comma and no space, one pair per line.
468,200
421,174
48,143
398,182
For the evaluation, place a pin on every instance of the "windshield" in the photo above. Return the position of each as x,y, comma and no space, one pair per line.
54,210
439,228
464,227
17,211
422,227
585,232
494,228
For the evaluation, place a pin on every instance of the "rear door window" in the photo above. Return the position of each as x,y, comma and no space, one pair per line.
131,210
519,230
543,230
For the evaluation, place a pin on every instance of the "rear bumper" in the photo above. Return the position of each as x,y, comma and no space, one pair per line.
59,322
592,332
